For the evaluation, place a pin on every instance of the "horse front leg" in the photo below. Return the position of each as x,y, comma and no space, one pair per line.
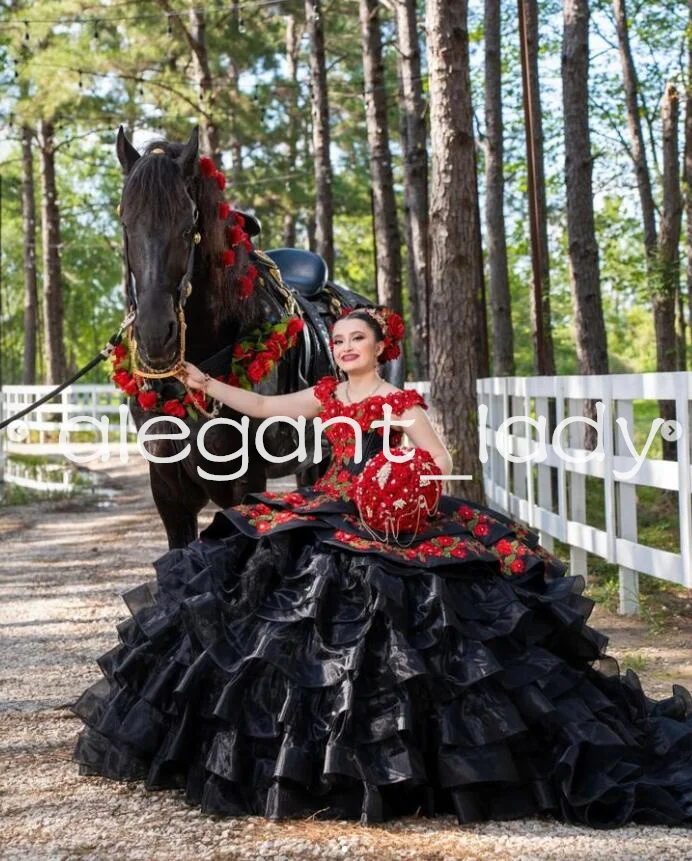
178,500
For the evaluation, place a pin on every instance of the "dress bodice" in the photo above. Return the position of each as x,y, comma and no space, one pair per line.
338,480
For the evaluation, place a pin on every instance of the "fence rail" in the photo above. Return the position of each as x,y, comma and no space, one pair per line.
548,494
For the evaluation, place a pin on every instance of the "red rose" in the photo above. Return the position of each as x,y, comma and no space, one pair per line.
228,257
174,408
274,349
294,498
465,512
220,180
503,547
256,370
206,166
147,400
262,508
119,352
263,525
445,540
224,210
270,494
343,475
240,352
295,325
197,398
122,378
239,219
517,567
459,551
246,286
395,327
235,234
280,339
481,530
521,550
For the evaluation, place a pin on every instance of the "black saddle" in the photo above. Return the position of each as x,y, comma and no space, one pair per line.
303,270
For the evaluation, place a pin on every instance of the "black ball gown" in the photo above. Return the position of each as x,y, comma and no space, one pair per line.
285,663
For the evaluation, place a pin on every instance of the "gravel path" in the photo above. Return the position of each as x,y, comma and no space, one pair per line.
63,566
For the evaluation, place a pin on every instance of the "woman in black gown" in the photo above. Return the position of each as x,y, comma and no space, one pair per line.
288,662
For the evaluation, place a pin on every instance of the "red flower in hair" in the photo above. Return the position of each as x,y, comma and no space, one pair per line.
220,180
224,210
246,243
228,257
239,219
206,166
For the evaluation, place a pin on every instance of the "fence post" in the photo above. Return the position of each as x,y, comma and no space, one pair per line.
577,489
626,516
545,488
682,408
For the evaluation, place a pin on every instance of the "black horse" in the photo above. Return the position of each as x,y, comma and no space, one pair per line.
164,203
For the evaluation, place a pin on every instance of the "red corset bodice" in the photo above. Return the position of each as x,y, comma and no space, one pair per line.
338,479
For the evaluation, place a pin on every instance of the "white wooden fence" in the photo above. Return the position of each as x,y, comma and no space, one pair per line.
521,490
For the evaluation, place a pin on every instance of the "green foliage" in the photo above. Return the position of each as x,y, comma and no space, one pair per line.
113,63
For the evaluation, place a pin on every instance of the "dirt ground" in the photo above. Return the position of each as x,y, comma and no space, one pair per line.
63,566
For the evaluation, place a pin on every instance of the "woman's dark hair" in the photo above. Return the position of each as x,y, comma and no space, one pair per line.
361,314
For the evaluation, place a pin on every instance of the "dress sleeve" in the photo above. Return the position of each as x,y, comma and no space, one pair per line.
402,401
324,388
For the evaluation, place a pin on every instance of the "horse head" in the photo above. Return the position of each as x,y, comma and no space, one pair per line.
158,213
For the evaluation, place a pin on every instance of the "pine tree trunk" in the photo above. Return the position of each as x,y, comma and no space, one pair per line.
665,297
634,125
414,147
53,310
583,249
534,103
293,36
324,206
454,311
500,299
209,133
387,237
30,278
688,167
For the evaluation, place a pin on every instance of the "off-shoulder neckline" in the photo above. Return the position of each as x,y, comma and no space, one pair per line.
334,383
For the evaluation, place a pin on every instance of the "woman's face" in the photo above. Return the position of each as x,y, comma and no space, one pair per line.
355,348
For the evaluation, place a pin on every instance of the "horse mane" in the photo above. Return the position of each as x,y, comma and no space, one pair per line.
156,185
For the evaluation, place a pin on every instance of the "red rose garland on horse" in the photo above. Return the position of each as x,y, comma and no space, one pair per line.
254,357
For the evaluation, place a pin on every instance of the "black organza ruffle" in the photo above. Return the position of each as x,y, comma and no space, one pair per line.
282,675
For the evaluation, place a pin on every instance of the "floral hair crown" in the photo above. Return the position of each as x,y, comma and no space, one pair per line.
392,326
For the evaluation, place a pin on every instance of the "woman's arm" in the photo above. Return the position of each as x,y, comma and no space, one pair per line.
423,435
295,405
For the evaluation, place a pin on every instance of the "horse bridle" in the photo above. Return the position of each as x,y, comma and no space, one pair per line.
183,291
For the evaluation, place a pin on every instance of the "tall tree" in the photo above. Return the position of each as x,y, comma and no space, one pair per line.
688,163
665,298
662,269
324,205
30,276
500,298
195,34
453,224
544,358
293,35
415,158
387,237
53,306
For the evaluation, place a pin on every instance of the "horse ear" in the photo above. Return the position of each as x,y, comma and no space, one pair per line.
127,154
187,160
